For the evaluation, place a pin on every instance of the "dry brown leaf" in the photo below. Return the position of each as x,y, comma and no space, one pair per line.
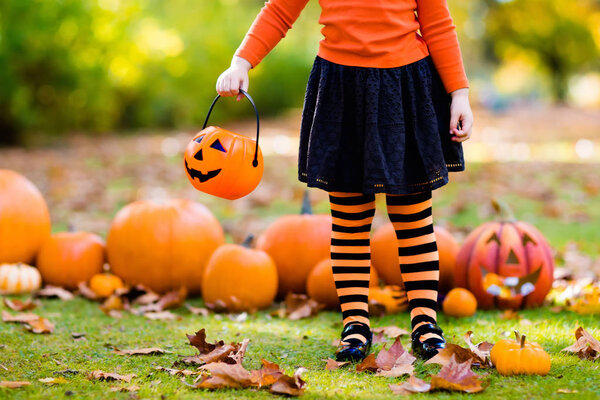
197,310
368,364
162,315
412,385
170,300
87,292
458,377
586,346
146,351
333,364
53,381
21,317
387,359
232,353
444,355
267,375
14,384
299,306
391,331
130,388
290,385
54,291
40,325
109,376
180,372
18,305
223,375
481,350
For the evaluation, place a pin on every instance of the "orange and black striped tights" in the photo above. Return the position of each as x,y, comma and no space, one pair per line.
411,216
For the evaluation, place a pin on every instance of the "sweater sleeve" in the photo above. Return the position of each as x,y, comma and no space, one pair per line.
269,27
438,31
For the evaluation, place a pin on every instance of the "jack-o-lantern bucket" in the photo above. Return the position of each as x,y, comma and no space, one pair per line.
224,163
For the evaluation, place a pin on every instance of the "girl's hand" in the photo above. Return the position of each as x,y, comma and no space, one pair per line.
234,78
460,110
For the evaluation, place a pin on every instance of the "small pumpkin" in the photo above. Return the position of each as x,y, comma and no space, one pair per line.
320,284
392,297
516,357
24,218
67,258
163,246
244,279
19,278
105,284
297,243
459,302
384,255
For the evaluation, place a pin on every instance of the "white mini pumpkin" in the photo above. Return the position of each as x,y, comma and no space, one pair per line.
19,278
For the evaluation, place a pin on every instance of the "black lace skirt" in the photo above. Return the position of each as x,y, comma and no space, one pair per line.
377,130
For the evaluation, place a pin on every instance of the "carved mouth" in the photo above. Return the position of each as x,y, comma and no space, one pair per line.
512,286
201,177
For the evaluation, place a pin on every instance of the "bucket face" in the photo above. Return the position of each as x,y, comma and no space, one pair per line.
219,162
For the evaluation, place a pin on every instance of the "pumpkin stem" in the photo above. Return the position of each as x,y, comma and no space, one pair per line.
503,210
306,207
517,336
522,341
248,241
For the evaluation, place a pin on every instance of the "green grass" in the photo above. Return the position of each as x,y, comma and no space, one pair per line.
26,356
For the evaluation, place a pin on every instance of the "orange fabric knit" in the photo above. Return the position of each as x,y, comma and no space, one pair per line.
367,33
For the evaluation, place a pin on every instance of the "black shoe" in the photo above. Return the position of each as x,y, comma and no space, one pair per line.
429,348
355,350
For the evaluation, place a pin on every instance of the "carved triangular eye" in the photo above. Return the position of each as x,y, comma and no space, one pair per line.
512,258
218,146
199,139
494,238
527,239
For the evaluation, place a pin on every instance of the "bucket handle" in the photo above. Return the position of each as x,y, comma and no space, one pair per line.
255,161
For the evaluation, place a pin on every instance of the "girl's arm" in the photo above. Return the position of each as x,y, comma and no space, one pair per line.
270,26
438,31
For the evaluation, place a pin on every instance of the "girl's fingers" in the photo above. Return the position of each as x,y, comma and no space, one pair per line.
454,122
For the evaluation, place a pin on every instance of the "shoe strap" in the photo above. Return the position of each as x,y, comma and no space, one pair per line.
427,328
357,327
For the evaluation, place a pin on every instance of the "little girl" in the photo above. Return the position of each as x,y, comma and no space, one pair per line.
385,111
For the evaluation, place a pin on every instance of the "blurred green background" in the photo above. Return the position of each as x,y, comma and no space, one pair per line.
101,66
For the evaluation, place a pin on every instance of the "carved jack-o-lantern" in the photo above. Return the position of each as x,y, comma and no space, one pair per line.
224,163
506,264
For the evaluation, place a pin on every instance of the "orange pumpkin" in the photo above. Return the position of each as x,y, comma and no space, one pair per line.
519,357
459,302
518,256
163,246
297,243
224,163
24,218
321,286
384,255
68,258
105,284
242,278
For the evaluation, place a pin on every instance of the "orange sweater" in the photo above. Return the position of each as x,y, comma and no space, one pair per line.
367,33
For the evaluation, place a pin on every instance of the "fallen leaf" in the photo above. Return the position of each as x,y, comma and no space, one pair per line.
232,353
108,376
130,388
53,381
333,364
391,331
170,300
391,363
481,350
290,385
444,355
162,315
412,385
54,291
267,375
40,325
21,317
14,384
78,336
197,310
18,305
223,375
146,351
589,303
567,391
297,306
586,346
87,292
174,371
457,377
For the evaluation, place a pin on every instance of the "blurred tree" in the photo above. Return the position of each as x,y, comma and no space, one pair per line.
558,34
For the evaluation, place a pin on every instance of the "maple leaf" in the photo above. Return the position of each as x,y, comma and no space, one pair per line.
478,354
170,300
267,375
86,291
109,376
146,351
219,351
333,364
18,305
290,385
586,346
481,350
391,363
458,377
298,305
21,317
412,385
40,325
223,375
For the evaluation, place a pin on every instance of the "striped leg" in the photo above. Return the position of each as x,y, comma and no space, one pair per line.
352,215
418,255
